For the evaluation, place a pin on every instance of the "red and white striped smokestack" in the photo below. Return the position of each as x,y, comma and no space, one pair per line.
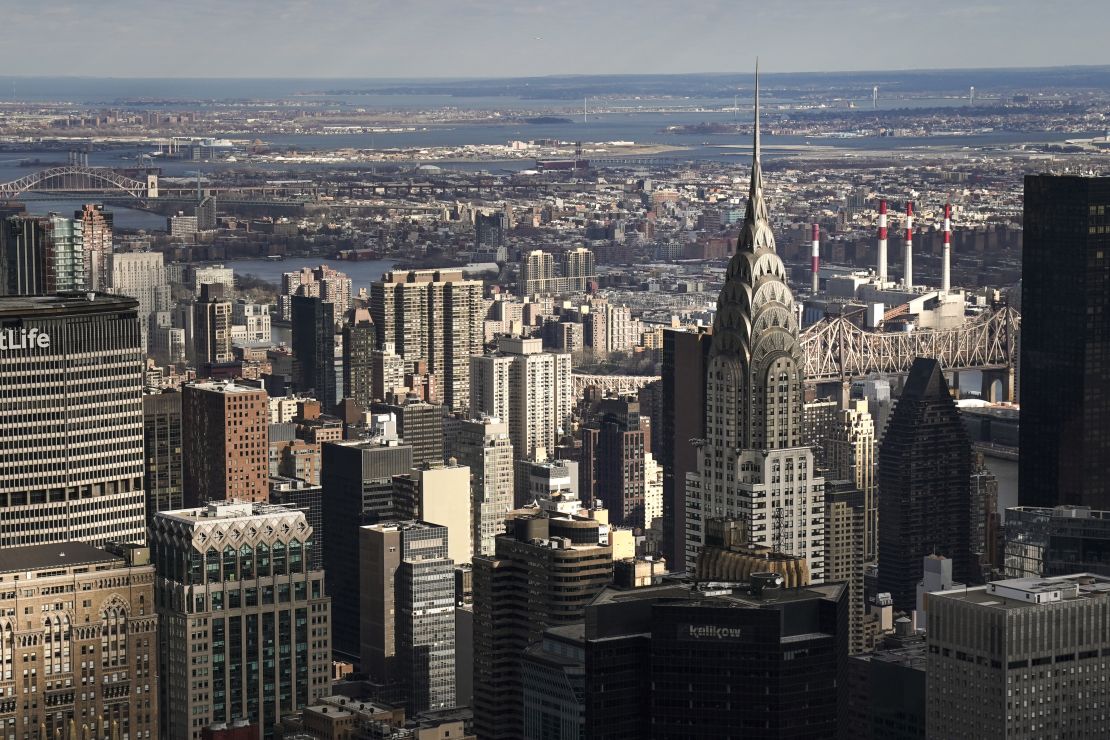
908,280
882,241
946,265
815,256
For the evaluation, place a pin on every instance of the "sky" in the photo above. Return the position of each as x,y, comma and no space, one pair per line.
508,38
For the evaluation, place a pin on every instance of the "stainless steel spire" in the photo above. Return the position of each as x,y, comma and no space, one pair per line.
757,230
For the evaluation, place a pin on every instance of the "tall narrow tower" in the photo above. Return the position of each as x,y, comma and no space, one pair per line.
881,267
908,278
946,264
753,464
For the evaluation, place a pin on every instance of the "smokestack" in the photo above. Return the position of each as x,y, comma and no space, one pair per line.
946,265
815,256
882,241
909,246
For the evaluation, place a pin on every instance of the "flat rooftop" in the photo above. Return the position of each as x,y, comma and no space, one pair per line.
1026,593
53,557
223,510
64,304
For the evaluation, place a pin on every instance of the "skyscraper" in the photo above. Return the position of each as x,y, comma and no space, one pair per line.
1019,658
850,452
359,340
41,254
314,348
212,326
71,442
844,525
407,613
1065,342
682,420
141,275
357,482
163,449
439,494
420,425
529,389
225,442
544,573
613,466
97,227
537,274
754,463
238,603
924,482
484,447
436,316
578,269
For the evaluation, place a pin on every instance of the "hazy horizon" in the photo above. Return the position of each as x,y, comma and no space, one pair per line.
488,39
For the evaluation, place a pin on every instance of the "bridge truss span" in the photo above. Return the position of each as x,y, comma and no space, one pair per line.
837,350
77,178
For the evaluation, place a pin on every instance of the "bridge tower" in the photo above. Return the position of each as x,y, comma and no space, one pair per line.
152,184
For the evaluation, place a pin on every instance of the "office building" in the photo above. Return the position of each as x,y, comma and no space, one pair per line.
685,357
543,479
206,213
314,349
1065,342
850,454
924,479
236,597
435,316
984,540
753,461
553,685
543,574
819,419
529,389
212,326
225,447
357,483
483,445
41,255
489,231
90,656
307,497
407,613
439,494
141,275
613,466
728,557
845,514
359,340
97,240
1020,658
420,425
163,479
754,660
71,444
1054,542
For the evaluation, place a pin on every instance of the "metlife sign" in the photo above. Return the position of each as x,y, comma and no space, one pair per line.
32,338
709,633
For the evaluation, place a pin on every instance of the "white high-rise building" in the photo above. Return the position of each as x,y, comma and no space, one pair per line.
141,275
753,464
484,446
531,390
254,318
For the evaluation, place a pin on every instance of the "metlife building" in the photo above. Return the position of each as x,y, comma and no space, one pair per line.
71,420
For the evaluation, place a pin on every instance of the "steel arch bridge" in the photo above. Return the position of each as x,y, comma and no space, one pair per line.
76,178
837,350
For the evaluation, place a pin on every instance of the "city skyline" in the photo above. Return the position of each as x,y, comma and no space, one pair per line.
478,38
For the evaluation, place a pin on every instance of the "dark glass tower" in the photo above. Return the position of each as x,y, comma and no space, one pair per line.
1065,342
925,481
314,348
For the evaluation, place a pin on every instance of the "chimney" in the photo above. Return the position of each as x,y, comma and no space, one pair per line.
946,264
815,256
882,241
908,279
